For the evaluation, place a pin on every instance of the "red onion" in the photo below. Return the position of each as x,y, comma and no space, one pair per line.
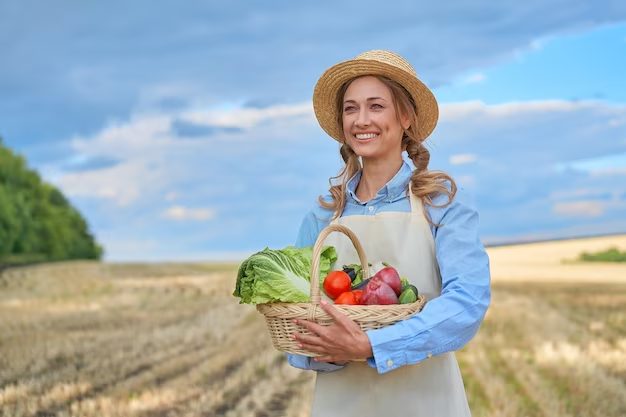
378,292
390,276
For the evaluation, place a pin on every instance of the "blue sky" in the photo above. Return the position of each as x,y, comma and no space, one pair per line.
185,131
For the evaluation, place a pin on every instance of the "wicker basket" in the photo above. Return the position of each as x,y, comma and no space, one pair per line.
280,316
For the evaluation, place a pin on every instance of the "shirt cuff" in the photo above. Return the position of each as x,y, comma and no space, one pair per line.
305,362
390,352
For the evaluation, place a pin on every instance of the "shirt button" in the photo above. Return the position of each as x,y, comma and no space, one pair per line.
370,208
389,363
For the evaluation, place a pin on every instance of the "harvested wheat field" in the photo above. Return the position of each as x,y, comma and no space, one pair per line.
90,339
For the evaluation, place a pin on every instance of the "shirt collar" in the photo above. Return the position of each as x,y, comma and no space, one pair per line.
393,189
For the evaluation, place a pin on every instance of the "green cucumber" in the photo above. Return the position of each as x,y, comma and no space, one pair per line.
409,295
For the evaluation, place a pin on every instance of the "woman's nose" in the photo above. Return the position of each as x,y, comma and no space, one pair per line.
363,119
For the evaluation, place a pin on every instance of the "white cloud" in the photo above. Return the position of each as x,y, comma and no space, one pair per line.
573,193
475,78
580,208
505,153
520,147
121,184
517,135
242,60
143,134
462,159
171,196
152,158
248,117
537,44
183,213
606,165
608,172
458,111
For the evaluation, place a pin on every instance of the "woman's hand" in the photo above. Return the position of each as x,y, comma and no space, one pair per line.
340,342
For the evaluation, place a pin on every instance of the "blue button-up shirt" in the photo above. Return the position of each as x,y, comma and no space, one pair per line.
447,322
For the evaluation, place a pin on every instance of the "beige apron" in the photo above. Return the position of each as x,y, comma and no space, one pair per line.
433,387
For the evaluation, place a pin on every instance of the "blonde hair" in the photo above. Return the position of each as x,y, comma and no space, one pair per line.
425,184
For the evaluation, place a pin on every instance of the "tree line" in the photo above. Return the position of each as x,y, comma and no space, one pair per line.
37,223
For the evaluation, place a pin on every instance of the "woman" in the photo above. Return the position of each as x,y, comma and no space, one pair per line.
408,216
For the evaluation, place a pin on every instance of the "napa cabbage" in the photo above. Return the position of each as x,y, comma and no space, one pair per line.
280,275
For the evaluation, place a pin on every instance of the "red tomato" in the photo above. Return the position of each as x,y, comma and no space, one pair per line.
357,295
346,298
335,283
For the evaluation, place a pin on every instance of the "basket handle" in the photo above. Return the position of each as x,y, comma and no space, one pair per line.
317,252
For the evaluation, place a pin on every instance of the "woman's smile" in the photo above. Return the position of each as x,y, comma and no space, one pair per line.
366,137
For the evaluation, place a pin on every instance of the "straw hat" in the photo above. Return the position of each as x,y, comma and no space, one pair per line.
375,62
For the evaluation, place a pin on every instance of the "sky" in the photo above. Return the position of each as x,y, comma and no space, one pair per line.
185,130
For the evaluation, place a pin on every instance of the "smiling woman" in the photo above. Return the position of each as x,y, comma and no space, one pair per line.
412,218
386,120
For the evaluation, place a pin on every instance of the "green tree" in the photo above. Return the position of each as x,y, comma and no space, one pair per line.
37,222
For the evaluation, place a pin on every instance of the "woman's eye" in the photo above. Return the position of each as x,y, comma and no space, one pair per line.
376,106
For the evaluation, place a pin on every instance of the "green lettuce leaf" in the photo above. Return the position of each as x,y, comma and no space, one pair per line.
280,275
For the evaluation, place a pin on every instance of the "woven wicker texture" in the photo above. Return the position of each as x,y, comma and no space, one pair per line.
279,316
376,62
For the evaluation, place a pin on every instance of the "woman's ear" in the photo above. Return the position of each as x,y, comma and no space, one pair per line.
405,122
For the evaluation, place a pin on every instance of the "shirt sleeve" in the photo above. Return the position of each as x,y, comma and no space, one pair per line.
450,320
307,235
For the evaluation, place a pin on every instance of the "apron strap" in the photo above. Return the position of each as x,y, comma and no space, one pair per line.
416,203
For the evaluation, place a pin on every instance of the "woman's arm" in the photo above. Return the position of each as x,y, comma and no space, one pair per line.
307,235
449,321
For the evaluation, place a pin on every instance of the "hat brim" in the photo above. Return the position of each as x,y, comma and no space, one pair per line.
327,88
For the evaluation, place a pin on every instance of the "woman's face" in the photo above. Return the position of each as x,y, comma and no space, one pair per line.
370,124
